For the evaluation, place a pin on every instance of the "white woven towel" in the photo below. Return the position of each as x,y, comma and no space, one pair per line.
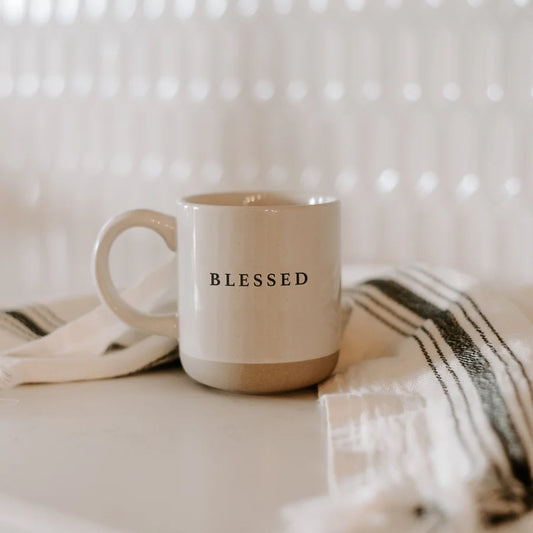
430,415
78,339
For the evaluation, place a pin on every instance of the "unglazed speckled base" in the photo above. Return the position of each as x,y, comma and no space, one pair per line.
259,378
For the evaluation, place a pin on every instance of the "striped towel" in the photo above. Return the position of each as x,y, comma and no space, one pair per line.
78,339
430,413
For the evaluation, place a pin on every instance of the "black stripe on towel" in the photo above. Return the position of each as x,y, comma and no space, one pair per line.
427,357
477,367
380,318
46,319
45,310
27,322
386,308
480,332
14,327
430,363
415,335
482,315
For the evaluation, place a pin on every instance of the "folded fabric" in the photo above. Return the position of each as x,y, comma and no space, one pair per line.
430,414
78,339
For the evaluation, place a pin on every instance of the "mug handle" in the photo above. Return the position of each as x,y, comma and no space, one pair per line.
162,224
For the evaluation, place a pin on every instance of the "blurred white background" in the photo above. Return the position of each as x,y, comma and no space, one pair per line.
417,113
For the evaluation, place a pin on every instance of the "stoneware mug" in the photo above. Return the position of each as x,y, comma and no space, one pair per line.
258,300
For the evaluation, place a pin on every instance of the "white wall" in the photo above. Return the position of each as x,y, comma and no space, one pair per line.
418,114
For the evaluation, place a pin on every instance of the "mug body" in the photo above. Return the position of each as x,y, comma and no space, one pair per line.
258,289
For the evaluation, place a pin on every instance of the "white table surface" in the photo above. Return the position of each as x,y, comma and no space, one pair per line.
157,453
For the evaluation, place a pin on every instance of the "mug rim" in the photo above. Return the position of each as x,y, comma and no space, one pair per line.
248,199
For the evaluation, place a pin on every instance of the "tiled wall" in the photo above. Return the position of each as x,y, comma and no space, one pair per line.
417,113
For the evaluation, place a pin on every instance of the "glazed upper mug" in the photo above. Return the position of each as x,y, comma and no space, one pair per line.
258,298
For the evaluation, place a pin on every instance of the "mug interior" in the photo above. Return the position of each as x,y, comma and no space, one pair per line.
259,199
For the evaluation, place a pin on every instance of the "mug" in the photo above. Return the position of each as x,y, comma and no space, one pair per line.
258,297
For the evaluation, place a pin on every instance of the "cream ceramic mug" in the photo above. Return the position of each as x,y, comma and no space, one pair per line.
258,303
